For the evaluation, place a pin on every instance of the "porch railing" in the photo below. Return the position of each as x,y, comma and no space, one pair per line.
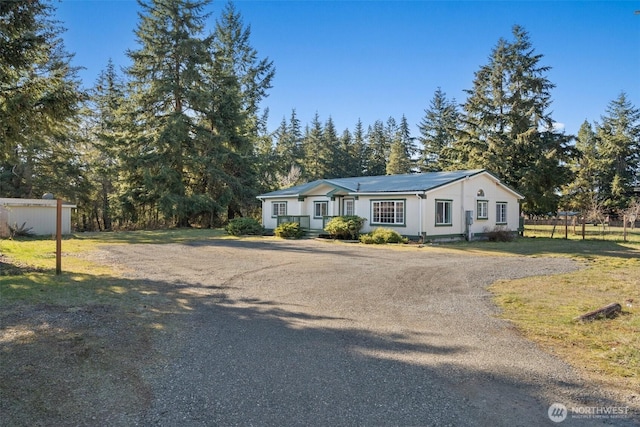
303,220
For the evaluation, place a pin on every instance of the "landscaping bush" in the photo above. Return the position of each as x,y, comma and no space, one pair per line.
381,236
499,234
244,226
345,227
289,230
22,231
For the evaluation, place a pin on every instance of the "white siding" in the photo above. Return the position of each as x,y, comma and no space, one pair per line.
293,208
411,227
39,215
420,208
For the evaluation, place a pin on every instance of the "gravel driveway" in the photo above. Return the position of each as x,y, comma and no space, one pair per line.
275,332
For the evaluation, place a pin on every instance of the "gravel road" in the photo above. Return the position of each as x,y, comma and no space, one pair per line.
282,333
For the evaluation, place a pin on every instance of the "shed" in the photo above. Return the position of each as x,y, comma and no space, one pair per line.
37,214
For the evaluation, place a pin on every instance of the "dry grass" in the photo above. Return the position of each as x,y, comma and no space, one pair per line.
545,308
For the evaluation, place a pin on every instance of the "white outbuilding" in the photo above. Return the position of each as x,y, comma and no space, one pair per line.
38,215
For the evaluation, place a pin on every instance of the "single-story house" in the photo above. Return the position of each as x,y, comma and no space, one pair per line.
430,206
37,214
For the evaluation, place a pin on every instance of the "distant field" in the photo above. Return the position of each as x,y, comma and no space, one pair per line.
591,232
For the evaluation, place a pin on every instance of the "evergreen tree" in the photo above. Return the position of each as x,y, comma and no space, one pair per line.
103,147
39,100
349,156
266,157
331,144
582,192
619,153
438,131
507,129
316,154
360,151
166,83
378,149
288,144
237,81
401,150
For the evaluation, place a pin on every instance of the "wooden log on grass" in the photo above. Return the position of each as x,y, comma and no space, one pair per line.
608,311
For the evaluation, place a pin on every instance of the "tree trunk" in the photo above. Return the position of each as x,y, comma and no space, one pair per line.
608,311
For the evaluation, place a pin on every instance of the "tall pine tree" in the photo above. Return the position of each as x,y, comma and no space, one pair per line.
619,153
237,82
582,192
507,128
166,77
39,100
438,132
401,150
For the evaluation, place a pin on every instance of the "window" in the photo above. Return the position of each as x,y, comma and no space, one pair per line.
482,209
481,193
387,212
278,209
320,209
443,212
501,212
349,207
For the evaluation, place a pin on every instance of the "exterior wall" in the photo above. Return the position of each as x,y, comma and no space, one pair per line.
39,215
411,226
465,195
4,222
420,208
293,208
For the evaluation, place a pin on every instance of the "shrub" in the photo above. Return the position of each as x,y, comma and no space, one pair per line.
244,226
289,230
499,234
345,227
22,231
382,235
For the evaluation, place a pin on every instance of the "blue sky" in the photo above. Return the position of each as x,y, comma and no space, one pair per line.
370,60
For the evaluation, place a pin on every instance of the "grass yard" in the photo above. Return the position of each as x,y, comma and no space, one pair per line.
31,275
544,308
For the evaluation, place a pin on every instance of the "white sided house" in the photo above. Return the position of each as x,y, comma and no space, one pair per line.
429,206
38,215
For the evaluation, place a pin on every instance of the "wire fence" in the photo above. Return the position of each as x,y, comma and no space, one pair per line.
577,231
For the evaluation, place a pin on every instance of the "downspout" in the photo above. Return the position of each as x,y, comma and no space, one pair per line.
420,198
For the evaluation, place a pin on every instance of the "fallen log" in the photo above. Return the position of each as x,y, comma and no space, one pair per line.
608,311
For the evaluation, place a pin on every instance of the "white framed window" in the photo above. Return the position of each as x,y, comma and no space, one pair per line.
443,212
348,207
501,212
278,209
320,209
388,212
482,209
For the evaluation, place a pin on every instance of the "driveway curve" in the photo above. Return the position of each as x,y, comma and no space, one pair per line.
285,333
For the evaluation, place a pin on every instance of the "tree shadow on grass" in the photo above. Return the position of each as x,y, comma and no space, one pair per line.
117,351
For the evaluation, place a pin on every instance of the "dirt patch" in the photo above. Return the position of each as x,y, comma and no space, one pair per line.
70,365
